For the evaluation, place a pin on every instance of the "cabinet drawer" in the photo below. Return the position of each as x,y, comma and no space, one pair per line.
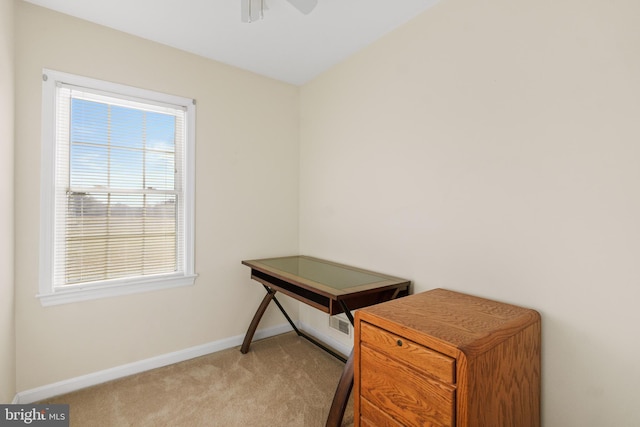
370,416
409,352
406,396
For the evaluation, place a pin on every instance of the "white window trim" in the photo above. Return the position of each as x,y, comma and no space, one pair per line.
47,294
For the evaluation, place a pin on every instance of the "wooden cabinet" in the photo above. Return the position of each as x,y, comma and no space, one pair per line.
442,358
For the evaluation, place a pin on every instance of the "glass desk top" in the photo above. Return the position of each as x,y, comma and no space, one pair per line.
328,274
320,274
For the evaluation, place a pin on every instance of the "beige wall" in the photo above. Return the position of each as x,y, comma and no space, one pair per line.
246,200
494,148
7,327
487,147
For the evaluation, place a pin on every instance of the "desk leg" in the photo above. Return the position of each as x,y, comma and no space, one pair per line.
341,398
271,295
256,319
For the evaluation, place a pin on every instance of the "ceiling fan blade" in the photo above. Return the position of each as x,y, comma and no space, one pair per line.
304,6
252,10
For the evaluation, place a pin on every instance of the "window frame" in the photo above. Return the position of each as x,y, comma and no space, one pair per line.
50,295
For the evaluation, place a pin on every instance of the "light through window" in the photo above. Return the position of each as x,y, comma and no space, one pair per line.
121,199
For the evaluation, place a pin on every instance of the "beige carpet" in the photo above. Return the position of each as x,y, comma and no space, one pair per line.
283,381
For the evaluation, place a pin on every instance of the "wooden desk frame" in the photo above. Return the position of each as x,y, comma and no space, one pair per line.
328,299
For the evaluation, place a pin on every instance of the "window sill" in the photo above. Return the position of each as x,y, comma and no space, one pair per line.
85,293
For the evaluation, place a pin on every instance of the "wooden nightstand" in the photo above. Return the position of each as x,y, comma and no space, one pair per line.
442,358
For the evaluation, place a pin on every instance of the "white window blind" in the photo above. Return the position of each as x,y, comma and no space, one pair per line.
119,182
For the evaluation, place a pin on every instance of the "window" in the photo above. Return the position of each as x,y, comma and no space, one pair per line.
117,189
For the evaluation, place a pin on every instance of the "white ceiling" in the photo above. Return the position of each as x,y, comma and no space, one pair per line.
286,45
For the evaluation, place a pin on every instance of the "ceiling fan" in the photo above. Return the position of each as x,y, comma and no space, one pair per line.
253,10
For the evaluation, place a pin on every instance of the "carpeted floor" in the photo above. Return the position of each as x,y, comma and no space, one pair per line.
282,381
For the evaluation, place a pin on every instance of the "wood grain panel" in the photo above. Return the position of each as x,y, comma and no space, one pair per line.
405,394
374,417
409,352
448,321
509,391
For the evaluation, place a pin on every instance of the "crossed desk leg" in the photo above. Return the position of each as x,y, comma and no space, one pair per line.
341,397
271,295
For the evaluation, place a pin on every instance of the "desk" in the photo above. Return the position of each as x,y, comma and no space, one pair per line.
327,286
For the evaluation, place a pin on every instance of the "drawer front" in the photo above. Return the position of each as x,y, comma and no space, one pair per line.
415,355
370,416
403,393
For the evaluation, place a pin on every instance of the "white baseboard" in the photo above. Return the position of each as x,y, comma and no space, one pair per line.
77,383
